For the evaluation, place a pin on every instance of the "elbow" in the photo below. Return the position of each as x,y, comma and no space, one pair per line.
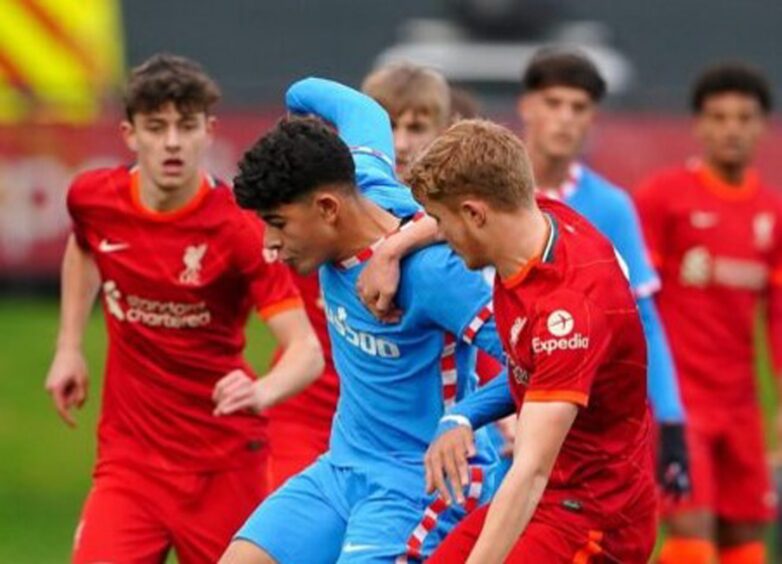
314,354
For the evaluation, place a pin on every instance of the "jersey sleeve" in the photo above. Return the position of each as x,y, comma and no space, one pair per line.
652,208
77,209
365,127
570,340
629,242
774,301
270,283
455,298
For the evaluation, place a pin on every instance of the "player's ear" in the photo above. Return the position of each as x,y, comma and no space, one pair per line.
211,126
474,212
327,206
128,132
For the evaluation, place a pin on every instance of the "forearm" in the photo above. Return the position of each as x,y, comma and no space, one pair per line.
80,282
510,512
490,402
662,384
420,234
299,366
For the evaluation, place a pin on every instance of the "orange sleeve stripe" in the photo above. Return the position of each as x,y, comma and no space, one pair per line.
269,311
578,398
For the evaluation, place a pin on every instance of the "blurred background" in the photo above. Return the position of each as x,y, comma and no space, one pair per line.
62,63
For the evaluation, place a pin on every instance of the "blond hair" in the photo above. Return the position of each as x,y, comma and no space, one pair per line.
400,87
474,158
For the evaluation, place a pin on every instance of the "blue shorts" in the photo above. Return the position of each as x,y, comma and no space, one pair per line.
332,514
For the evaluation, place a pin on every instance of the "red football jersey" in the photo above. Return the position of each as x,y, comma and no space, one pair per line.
177,289
315,405
718,250
571,329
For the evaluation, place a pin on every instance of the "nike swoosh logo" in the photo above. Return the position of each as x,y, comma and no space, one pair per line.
107,246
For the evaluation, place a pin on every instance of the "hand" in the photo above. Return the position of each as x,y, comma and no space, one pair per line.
67,382
378,283
674,467
446,462
236,391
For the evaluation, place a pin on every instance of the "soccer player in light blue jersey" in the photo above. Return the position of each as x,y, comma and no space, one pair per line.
328,203
560,94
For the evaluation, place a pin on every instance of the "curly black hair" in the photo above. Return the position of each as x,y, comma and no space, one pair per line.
731,77
555,66
290,162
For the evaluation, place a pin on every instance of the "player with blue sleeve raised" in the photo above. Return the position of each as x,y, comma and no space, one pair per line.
364,500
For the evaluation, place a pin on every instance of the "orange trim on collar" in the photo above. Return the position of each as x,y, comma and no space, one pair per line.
519,277
726,191
189,206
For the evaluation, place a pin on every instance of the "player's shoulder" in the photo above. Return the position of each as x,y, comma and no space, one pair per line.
666,179
610,195
95,184
430,262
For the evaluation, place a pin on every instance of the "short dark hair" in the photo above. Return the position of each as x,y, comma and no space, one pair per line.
553,66
731,76
167,78
290,162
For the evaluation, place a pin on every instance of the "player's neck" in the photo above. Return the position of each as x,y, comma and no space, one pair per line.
550,173
362,223
158,199
521,238
730,174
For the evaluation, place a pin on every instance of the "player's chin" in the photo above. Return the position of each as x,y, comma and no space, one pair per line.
301,266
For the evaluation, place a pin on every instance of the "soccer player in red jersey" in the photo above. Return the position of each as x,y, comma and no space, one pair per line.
181,453
581,483
713,229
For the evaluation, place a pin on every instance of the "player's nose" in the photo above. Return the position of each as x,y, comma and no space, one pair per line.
172,138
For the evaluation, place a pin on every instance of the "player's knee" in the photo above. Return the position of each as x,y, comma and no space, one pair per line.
244,552
691,524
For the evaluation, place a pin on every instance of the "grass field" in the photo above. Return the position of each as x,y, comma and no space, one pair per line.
44,465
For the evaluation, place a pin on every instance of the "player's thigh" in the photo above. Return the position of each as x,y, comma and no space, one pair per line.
395,521
292,448
303,521
746,493
559,543
244,552
459,543
118,523
214,511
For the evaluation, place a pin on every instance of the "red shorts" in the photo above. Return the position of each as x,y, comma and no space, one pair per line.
731,477
293,446
557,537
137,515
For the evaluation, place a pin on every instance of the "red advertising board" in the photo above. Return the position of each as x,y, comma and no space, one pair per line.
37,163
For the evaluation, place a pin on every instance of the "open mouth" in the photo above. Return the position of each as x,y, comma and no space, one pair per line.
173,166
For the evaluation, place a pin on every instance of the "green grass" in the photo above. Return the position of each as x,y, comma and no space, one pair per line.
45,466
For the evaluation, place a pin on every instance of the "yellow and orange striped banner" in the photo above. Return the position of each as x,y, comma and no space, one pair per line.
59,59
